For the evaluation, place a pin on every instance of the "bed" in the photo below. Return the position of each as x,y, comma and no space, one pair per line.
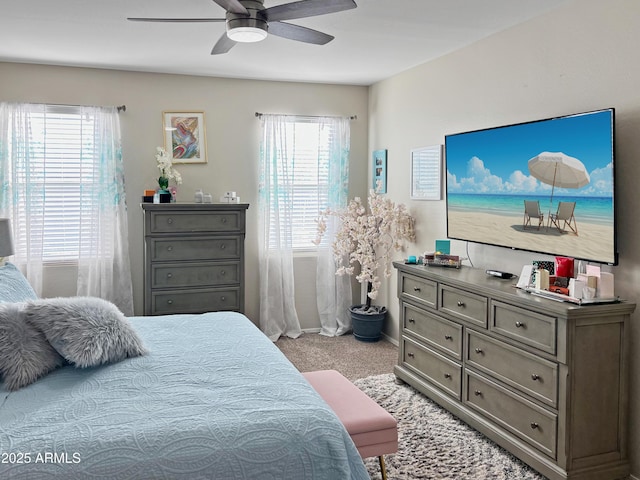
213,398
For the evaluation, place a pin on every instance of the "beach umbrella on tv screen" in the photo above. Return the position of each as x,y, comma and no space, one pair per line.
558,170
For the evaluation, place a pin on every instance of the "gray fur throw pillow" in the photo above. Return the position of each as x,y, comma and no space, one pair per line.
25,354
87,331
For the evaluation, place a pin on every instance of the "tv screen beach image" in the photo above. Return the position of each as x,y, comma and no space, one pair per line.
544,186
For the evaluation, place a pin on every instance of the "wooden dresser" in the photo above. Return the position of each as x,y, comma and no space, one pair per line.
193,257
546,380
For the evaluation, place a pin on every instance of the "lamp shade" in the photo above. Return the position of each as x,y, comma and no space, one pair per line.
6,238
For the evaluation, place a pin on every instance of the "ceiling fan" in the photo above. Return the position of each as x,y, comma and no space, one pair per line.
249,21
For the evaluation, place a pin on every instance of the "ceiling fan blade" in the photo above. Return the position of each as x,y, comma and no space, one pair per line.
223,45
233,6
301,34
306,8
176,20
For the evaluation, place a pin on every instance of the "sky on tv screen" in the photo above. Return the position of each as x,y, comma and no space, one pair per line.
495,160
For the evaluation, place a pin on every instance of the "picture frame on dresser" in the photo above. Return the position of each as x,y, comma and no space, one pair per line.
185,138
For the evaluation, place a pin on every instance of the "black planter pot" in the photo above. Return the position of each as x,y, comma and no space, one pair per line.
367,326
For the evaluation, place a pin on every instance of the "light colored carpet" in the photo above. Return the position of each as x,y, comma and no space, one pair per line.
433,444
351,357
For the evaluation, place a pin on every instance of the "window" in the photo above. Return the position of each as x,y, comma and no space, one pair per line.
304,159
54,175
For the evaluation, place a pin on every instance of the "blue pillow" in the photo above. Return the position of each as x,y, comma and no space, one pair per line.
13,286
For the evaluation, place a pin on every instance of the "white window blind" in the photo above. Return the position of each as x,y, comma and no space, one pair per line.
59,172
306,164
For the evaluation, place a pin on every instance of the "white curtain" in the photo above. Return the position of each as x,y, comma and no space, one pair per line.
278,314
102,235
21,204
334,292
104,268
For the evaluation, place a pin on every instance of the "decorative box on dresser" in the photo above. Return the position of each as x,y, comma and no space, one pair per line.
193,257
546,380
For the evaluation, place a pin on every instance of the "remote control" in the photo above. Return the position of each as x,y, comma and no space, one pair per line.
499,274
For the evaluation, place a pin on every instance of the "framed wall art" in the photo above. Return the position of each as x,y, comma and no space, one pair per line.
184,136
380,170
426,167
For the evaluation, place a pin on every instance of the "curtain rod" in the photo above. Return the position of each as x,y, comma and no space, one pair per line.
352,117
119,108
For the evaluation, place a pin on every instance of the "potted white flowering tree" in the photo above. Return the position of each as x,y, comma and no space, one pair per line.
368,238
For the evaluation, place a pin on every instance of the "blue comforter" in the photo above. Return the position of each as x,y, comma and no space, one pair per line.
213,399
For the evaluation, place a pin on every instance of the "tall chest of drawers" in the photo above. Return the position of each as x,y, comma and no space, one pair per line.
546,380
193,257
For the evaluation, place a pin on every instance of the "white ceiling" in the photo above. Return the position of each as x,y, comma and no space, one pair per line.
378,39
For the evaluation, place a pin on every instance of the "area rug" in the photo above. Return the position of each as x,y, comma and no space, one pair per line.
434,444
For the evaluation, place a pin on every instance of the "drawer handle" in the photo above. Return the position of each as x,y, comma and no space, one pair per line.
223,246
169,220
224,220
223,298
535,377
410,355
411,320
169,275
169,248
169,302
448,337
534,425
477,393
461,303
416,289
223,273
479,350
447,375
520,325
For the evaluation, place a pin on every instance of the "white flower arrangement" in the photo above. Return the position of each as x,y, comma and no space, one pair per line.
368,238
167,171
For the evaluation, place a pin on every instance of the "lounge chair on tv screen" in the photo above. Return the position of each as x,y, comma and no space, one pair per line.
532,211
564,214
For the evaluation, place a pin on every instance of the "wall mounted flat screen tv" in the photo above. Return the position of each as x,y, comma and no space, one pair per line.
545,186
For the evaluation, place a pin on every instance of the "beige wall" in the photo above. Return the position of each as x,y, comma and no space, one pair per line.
233,135
581,57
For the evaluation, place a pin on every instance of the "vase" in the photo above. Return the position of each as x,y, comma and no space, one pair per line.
163,183
367,326
165,196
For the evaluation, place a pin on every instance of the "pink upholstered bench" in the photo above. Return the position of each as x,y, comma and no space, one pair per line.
373,430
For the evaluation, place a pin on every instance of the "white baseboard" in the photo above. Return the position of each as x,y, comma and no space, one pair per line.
310,330
384,335
390,340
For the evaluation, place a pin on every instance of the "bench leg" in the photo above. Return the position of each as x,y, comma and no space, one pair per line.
383,470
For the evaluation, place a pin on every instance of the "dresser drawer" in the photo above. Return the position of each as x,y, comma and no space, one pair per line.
194,274
532,375
438,369
195,300
196,222
464,305
525,326
434,331
523,418
194,248
419,289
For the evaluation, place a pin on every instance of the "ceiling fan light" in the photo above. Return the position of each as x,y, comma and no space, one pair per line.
247,34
